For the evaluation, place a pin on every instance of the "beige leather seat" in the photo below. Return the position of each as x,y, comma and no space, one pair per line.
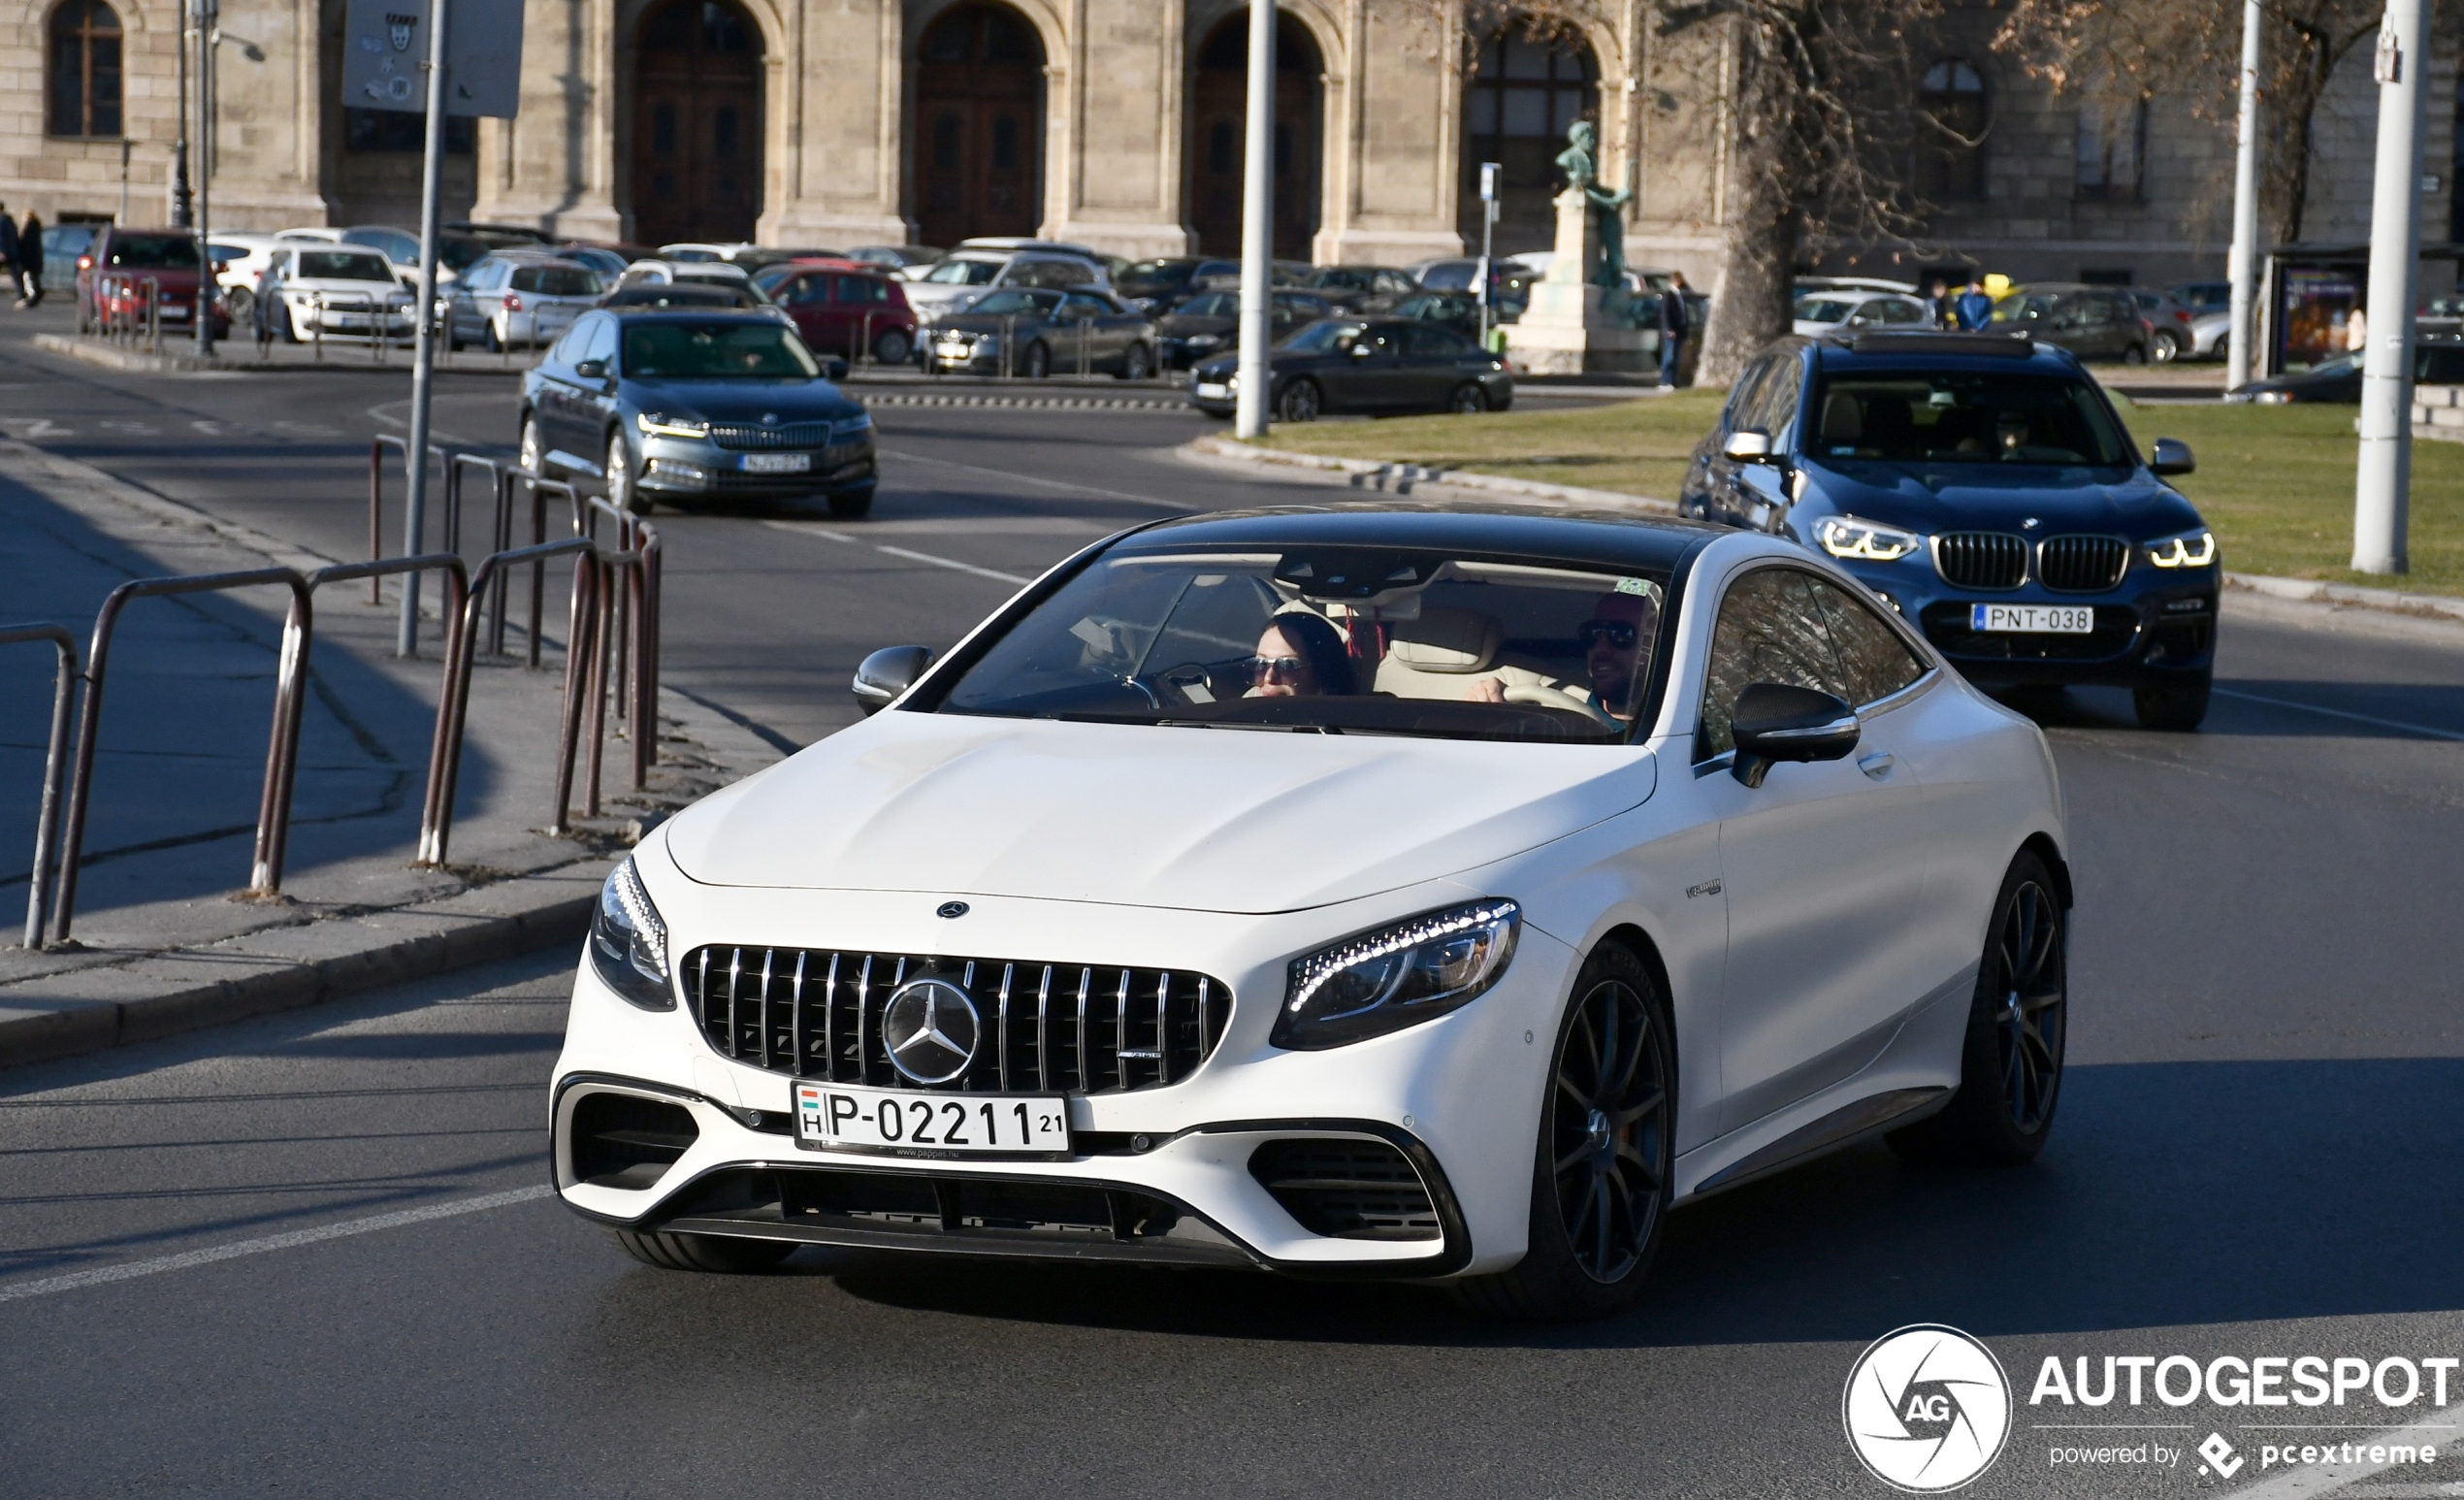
1443,652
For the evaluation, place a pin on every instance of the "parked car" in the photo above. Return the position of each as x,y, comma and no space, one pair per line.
521,297
728,278
1053,333
2092,322
1819,312
2210,333
339,291
684,407
240,259
1510,281
1458,311
844,307
1985,489
63,244
743,254
1345,286
609,264
951,284
111,273
2202,297
2338,380
2172,334
1158,287
1437,988
1364,365
455,252
895,258
502,237
1212,320
1805,285
687,294
1112,265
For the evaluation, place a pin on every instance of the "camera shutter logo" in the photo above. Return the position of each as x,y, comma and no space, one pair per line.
1926,1409
933,1028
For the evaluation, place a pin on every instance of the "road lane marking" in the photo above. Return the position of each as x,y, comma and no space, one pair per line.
100,1275
806,530
2438,1430
2340,713
1028,479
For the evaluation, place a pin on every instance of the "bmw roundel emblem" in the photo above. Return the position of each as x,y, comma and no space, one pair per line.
951,909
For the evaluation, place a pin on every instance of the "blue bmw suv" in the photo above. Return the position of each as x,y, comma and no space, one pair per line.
1982,486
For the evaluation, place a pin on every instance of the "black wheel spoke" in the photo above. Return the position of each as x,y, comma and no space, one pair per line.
1647,1104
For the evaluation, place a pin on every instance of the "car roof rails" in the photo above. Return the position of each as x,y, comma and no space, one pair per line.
2016,343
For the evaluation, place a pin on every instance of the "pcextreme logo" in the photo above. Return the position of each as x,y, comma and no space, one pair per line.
1926,1409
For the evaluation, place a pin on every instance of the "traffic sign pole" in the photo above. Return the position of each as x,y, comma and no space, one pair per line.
423,368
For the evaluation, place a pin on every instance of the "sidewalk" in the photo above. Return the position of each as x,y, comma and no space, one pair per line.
161,941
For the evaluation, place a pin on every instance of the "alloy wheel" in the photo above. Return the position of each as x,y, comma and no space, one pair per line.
2030,989
1299,402
1469,401
1608,1146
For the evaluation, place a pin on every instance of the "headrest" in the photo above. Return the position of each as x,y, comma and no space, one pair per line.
1843,420
1446,640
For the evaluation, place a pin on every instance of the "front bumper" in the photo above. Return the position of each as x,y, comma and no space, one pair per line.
687,466
1166,1175
2156,626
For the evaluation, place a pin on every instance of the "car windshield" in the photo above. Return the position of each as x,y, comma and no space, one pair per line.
1015,304
739,348
1321,336
678,296
1343,640
556,281
343,266
160,253
1966,418
1823,309
965,272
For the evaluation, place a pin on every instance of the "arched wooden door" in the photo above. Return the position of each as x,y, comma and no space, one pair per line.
1218,115
979,145
697,123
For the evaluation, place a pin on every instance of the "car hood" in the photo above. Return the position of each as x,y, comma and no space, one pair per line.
1191,819
742,401
1953,497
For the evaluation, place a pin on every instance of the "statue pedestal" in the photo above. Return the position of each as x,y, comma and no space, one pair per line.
1572,327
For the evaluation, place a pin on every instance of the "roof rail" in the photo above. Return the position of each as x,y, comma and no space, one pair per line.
2017,344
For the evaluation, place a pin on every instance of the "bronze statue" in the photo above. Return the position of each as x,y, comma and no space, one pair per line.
1580,165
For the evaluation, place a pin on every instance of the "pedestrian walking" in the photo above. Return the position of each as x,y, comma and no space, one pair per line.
30,262
1672,327
1973,309
9,244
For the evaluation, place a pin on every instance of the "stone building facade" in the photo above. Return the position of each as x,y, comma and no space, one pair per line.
1113,122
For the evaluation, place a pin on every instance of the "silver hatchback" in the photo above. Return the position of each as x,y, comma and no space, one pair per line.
518,299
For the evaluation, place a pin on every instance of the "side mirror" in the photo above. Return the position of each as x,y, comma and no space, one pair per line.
2171,456
1361,351
1748,445
1774,723
833,367
887,674
592,370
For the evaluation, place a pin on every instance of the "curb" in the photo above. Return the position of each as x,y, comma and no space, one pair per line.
1400,478
136,362
872,398
2309,591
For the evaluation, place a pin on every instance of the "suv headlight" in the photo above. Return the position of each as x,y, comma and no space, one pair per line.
1397,976
2190,549
629,941
659,424
1869,542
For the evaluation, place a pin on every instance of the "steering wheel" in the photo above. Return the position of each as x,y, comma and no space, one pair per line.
1553,698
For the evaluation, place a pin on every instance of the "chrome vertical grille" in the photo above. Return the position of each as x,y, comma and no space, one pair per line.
1981,560
1045,1027
2081,565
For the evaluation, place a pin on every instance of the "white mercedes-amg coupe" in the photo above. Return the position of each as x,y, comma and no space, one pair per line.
1407,892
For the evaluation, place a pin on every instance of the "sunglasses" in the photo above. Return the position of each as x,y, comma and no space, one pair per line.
1620,634
1287,669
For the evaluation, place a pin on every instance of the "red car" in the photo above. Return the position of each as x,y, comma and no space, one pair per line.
844,307
113,273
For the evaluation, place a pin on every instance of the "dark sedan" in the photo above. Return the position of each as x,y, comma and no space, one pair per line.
1458,311
2338,380
1346,285
1211,322
681,406
1374,366
1983,487
1037,332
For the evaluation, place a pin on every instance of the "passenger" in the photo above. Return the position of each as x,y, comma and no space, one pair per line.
1615,640
1300,656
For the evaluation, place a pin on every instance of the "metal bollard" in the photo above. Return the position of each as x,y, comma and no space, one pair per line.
55,762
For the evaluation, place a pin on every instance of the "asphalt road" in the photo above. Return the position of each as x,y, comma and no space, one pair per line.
2257,1152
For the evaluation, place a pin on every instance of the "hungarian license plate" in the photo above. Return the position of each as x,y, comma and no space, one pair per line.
835,1117
778,463
1209,390
174,315
2033,619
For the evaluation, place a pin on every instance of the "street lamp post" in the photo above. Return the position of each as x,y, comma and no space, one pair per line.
1257,226
1488,233
180,218
423,370
208,293
2244,262
2382,482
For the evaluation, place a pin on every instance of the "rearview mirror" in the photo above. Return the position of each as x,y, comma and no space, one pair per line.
2171,456
833,367
887,674
1748,445
1774,723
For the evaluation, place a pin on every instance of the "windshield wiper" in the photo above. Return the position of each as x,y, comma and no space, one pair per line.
1240,724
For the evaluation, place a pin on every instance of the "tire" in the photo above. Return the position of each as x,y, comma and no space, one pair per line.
239,302
715,1253
2134,355
1137,364
851,505
1299,402
1467,399
894,347
1605,1144
2167,346
1039,362
489,340
2175,707
621,492
2011,1062
532,454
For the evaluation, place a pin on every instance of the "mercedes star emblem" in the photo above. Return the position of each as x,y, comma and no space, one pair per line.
931,1028
951,909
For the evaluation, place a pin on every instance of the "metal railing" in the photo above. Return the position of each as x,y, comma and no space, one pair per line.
441,459
126,306
55,753
634,637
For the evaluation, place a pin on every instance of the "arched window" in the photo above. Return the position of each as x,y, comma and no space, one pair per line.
86,72
1524,91
1949,164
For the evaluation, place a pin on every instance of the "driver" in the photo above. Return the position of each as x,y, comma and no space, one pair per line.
1300,656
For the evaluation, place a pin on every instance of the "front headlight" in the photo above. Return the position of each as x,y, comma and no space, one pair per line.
852,428
1844,535
2273,398
659,424
1398,976
2190,549
1205,340
629,941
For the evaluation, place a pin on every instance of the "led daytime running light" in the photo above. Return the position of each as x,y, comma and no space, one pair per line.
1322,967
650,929
2195,549
1863,540
658,424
